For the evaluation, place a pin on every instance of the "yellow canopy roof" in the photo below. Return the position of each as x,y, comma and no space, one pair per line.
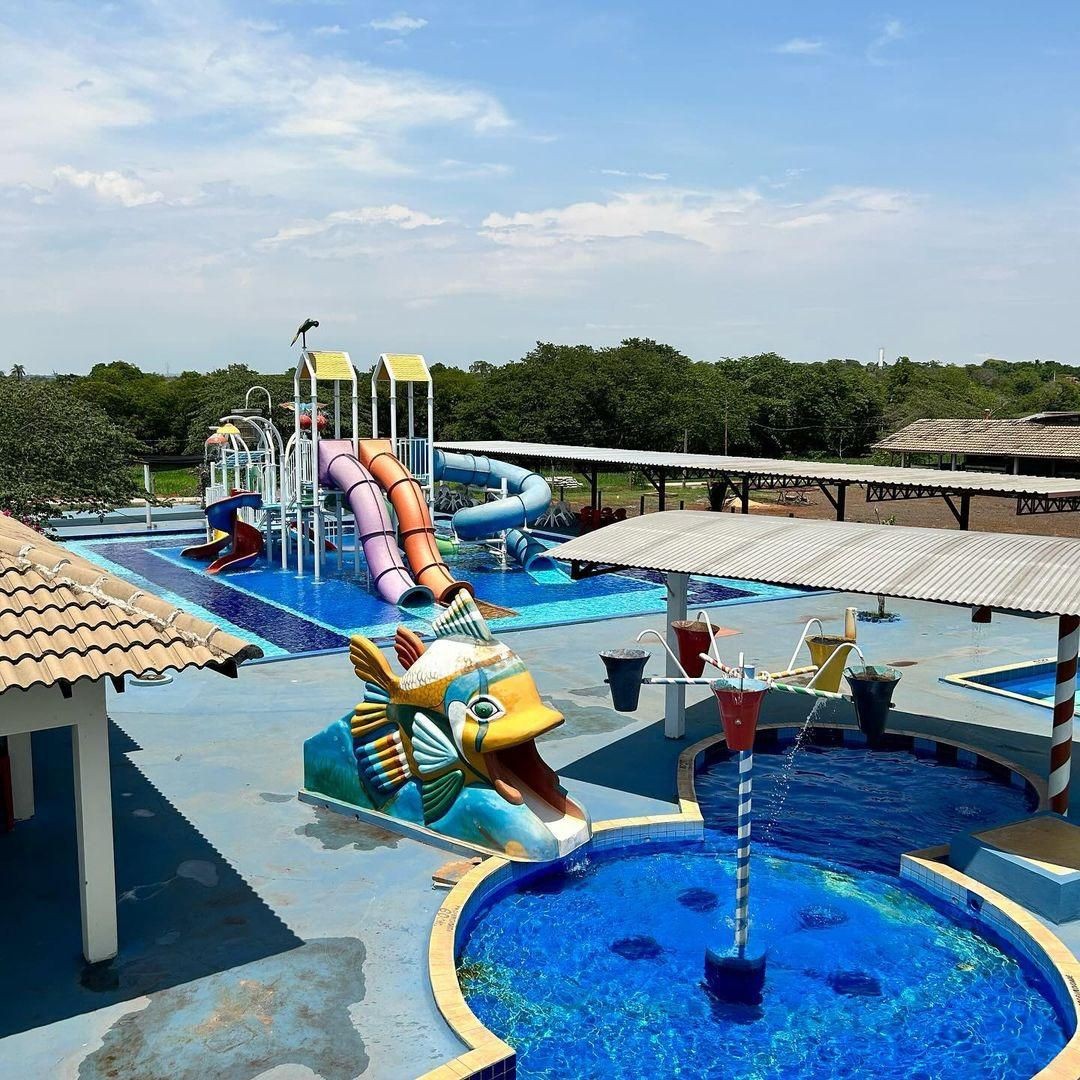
403,367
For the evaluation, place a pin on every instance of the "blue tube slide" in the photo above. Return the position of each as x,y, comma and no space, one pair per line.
524,548
529,495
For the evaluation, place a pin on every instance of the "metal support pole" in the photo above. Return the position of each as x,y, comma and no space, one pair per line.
661,489
593,483
742,857
841,501
744,494
675,694
431,442
1064,707
316,506
965,511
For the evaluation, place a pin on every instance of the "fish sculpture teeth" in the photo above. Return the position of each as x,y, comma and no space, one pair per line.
449,745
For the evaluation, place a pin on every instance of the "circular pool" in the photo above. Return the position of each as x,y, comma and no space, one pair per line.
596,968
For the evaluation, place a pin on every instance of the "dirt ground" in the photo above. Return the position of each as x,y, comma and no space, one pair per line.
987,514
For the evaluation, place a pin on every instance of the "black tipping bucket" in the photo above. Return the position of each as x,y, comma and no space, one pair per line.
625,668
872,689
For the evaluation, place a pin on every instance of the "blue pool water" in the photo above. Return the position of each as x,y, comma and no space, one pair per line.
596,970
287,614
1032,681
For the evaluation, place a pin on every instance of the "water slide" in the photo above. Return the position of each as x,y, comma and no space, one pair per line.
414,519
236,544
528,496
339,468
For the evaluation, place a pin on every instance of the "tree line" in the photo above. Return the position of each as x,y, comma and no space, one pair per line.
640,394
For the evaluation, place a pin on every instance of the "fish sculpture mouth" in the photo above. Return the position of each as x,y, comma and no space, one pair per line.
518,771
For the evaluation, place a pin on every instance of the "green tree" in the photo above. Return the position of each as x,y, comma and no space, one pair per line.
60,453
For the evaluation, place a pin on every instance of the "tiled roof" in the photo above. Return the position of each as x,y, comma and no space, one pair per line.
1000,438
62,619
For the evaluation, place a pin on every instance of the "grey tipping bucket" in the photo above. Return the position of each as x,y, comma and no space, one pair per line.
872,689
625,668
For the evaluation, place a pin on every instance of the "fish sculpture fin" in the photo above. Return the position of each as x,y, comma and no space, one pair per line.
408,646
462,618
381,760
370,665
438,795
433,750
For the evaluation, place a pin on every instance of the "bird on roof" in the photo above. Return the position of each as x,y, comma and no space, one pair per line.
308,324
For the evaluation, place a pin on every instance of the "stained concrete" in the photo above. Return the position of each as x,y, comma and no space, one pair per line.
262,938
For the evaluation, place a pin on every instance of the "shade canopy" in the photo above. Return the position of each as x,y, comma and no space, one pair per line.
1037,575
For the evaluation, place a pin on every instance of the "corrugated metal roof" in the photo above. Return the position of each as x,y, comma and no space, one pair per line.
998,438
1032,574
811,471
62,619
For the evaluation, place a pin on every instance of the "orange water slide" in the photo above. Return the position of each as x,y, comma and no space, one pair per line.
415,527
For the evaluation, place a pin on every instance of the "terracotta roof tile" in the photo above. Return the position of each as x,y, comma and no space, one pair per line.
62,619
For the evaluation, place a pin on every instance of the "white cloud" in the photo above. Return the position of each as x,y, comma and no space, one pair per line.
399,23
110,186
332,30
635,175
800,46
395,215
718,221
893,31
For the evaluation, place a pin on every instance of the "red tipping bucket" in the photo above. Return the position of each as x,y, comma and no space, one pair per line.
740,702
693,639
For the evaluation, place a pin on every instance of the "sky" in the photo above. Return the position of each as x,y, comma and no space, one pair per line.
182,183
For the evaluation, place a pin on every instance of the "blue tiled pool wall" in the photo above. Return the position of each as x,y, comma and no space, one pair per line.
289,614
970,909
1034,681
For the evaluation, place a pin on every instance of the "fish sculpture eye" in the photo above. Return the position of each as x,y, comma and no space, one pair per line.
485,708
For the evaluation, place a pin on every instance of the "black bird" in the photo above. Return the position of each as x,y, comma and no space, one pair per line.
308,324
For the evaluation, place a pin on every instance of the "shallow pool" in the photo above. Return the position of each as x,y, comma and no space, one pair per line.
286,613
597,970
1033,681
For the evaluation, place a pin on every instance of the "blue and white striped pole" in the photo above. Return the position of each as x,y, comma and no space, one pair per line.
742,859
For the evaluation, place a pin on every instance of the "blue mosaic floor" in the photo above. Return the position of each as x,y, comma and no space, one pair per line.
288,615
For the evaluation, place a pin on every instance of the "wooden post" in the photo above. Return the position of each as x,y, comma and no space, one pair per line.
94,824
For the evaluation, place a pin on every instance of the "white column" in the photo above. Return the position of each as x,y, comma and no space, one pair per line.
675,696
148,484
22,775
93,823
431,442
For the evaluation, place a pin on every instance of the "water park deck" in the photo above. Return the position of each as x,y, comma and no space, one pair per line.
260,937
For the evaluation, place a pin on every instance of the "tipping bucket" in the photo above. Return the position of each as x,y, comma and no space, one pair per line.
625,668
872,689
694,638
822,646
740,702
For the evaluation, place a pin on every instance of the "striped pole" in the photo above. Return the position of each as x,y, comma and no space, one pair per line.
742,863
1064,706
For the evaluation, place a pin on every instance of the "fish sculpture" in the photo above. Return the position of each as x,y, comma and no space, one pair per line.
449,745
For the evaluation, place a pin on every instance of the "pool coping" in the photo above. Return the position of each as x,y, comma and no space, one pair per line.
487,1057
967,679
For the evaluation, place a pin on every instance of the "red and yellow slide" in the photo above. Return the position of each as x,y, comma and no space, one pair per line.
415,526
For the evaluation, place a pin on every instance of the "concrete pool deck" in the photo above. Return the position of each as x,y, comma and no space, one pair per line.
262,938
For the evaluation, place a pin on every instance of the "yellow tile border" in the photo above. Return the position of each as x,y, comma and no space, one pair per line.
485,1049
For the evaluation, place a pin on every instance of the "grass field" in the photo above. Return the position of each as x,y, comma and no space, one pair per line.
171,483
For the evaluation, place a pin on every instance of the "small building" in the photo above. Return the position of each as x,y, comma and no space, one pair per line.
67,629
1044,444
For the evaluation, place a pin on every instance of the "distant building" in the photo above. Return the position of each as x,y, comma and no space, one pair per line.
1044,444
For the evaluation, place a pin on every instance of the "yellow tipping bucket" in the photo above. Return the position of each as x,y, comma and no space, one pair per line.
830,672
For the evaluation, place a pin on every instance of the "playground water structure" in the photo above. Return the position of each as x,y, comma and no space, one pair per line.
593,967
323,493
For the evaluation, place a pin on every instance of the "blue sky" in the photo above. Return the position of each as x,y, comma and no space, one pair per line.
182,183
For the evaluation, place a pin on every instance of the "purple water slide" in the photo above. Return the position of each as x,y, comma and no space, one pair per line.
339,468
